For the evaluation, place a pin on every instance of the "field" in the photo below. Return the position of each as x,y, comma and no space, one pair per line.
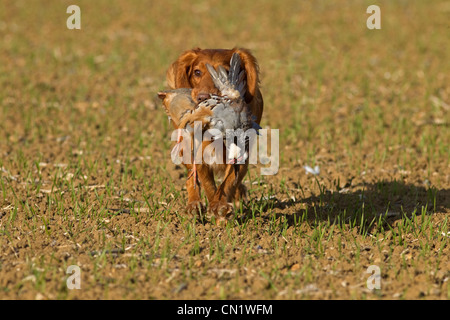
86,178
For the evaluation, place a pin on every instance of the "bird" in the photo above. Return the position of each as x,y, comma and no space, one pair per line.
227,113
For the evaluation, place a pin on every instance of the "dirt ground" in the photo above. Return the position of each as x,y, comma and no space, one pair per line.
86,178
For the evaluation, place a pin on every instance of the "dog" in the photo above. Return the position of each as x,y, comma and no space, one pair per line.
189,71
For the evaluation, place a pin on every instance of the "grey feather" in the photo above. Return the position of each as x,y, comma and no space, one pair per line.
236,75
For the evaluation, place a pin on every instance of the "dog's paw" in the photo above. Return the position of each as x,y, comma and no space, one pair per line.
222,211
196,209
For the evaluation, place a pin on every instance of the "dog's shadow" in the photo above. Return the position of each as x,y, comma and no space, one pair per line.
391,200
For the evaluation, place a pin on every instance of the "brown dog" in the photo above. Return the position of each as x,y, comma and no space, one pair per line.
189,71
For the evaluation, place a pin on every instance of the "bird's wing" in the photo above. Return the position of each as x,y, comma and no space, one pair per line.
231,84
236,76
220,81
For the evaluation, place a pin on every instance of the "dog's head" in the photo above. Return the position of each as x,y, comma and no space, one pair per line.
189,71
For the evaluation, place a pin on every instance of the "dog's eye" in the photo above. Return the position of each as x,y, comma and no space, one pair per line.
197,73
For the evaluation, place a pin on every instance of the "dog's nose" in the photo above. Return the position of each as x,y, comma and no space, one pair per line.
202,97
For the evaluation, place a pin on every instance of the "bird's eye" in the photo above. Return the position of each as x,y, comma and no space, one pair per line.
197,73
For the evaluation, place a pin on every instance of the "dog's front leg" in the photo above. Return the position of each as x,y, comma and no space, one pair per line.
194,206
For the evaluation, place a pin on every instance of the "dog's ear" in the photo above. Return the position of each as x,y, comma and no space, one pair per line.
251,67
178,74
